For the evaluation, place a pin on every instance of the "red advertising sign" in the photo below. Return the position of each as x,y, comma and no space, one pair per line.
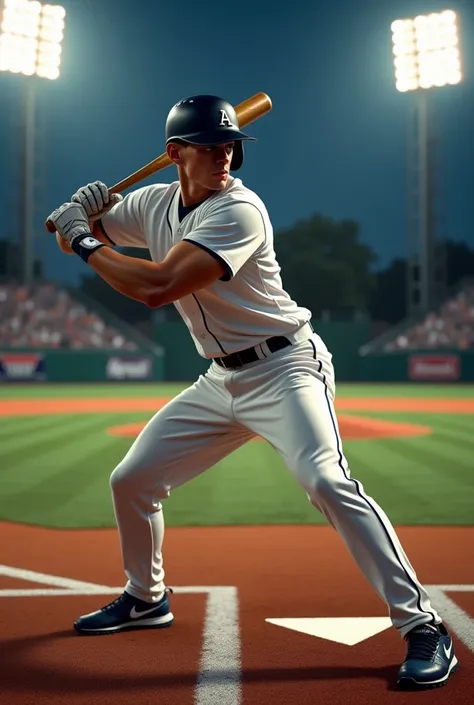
434,368
18,366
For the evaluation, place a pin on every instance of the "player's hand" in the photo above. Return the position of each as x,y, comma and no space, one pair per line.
95,199
70,221
63,246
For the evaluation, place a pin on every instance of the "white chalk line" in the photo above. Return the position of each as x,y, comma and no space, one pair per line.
220,672
220,675
460,622
455,588
32,576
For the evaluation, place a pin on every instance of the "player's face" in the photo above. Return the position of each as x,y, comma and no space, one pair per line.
208,166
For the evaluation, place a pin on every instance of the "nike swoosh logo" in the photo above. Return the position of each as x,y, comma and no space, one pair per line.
448,651
136,615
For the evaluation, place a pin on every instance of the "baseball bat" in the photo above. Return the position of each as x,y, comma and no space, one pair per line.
247,111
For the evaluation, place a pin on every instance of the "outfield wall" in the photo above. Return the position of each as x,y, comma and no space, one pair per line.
418,366
181,362
27,365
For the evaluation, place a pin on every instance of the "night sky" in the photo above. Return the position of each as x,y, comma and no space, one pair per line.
335,141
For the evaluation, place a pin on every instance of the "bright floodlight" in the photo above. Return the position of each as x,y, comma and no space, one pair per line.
30,38
426,51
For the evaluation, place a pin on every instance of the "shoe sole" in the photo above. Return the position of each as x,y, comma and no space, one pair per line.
412,684
156,623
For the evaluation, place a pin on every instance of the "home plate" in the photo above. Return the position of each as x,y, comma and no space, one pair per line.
342,630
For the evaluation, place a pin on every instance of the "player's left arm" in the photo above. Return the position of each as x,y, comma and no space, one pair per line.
217,249
185,269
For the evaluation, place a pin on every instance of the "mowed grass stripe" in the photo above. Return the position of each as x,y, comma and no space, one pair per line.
372,464
388,481
422,496
445,459
90,505
250,486
457,423
41,434
453,456
450,435
22,424
23,447
93,391
62,473
34,462
43,498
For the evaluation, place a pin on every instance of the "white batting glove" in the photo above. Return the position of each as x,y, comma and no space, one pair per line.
70,221
95,199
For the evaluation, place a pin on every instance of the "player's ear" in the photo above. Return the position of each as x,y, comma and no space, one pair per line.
173,150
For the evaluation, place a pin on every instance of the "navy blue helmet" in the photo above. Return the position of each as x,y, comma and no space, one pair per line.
206,119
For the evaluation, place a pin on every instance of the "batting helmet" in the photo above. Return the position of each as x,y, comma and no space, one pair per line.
206,119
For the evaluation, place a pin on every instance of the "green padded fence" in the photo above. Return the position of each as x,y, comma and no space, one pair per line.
28,365
418,366
182,362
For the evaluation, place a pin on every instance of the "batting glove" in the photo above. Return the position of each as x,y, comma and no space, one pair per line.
95,199
71,222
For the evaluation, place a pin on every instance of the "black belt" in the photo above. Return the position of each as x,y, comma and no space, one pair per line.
243,357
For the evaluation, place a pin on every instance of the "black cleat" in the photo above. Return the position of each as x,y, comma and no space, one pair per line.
127,612
430,658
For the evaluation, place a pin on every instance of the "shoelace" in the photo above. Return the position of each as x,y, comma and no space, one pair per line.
116,602
124,597
423,645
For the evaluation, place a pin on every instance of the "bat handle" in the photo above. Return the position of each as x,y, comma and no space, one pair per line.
49,225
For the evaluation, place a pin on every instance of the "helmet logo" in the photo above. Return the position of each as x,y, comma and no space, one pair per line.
225,119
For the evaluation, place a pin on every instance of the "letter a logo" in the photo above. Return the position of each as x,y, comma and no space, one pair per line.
225,119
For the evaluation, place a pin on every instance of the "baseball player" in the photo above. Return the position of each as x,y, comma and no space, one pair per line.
270,374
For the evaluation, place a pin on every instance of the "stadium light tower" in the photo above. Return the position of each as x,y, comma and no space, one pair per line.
426,56
31,36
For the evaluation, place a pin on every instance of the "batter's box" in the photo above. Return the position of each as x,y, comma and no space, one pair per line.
451,611
219,673
465,600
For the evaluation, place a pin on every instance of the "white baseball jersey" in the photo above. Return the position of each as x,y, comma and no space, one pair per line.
249,304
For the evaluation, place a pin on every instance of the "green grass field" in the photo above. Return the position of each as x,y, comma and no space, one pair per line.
54,469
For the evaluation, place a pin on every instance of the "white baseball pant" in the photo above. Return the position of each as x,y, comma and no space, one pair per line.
287,399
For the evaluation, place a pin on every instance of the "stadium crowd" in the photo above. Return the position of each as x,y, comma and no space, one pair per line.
44,316
451,327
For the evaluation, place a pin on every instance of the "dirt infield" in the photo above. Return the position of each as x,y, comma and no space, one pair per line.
350,427
29,407
221,650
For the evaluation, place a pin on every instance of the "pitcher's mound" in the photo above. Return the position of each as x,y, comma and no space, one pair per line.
350,427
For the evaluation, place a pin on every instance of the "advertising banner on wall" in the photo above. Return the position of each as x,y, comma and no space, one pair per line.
136,368
434,368
21,367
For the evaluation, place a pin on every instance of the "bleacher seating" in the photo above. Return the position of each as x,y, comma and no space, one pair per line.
46,316
452,326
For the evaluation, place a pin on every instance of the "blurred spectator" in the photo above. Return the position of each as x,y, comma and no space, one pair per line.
43,316
451,327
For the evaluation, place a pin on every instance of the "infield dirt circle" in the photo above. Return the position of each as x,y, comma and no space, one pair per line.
228,581
351,427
